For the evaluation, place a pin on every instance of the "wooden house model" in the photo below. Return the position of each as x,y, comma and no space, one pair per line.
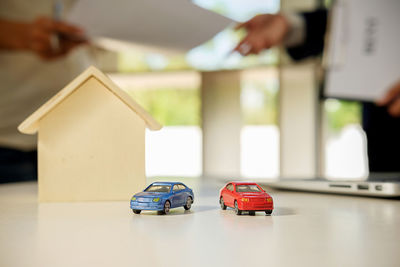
91,141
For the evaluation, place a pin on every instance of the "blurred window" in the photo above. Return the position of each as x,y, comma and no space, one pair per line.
163,83
181,187
159,188
173,99
176,188
247,189
260,131
345,154
229,187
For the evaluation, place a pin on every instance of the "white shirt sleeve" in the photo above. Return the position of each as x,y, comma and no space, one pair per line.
297,30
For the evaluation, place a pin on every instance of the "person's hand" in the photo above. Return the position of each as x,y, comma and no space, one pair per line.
263,32
392,100
52,39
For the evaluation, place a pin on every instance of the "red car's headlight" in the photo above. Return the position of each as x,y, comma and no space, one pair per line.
245,199
269,199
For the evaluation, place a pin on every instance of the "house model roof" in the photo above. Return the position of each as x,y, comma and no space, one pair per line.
31,124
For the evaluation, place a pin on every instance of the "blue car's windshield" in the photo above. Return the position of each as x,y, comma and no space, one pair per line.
159,188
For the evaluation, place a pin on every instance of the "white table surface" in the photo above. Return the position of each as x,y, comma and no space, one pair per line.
304,230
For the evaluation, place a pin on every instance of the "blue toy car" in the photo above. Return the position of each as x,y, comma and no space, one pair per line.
163,196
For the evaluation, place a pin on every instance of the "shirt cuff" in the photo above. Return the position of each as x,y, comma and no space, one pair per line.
297,30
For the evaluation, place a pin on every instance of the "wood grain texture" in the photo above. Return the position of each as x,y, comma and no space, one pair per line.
31,124
91,147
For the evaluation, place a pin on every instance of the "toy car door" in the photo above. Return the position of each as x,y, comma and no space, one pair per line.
184,192
229,197
177,197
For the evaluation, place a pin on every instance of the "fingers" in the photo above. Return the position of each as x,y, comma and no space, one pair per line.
244,47
242,25
263,32
260,44
44,31
53,26
392,100
68,30
248,48
248,24
43,23
40,41
253,43
394,108
393,93
256,22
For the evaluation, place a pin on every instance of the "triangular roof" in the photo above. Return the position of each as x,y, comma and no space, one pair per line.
31,124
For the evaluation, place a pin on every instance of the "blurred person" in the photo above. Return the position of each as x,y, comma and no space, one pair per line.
38,57
303,35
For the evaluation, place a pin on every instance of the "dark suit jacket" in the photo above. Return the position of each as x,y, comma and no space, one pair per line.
315,33
382,130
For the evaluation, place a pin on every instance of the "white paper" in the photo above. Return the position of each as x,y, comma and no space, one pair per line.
171,24
363,54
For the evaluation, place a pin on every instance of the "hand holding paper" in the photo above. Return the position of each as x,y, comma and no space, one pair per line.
363,58
174,24
263,32
36,36
392,100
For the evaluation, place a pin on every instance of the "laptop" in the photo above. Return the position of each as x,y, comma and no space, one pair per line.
345,81
385,185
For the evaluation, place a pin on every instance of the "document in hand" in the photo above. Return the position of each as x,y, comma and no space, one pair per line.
363,49
177,25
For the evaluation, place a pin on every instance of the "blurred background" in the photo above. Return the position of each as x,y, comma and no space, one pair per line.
174,89
225,115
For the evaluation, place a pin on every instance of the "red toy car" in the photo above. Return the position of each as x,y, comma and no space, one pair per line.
244,196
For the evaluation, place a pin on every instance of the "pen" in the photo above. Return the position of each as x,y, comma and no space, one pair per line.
57,14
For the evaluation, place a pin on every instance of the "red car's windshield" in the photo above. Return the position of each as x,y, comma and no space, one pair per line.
247,188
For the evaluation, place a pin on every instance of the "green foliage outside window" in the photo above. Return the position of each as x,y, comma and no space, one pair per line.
259,101
341,113
169,106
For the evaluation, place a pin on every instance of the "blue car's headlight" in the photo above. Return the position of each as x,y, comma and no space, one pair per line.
133,198
157,199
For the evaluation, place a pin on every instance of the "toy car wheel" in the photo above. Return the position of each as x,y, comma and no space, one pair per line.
188,204
222,203
252,213
237,210
268,212
167,207
136,211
